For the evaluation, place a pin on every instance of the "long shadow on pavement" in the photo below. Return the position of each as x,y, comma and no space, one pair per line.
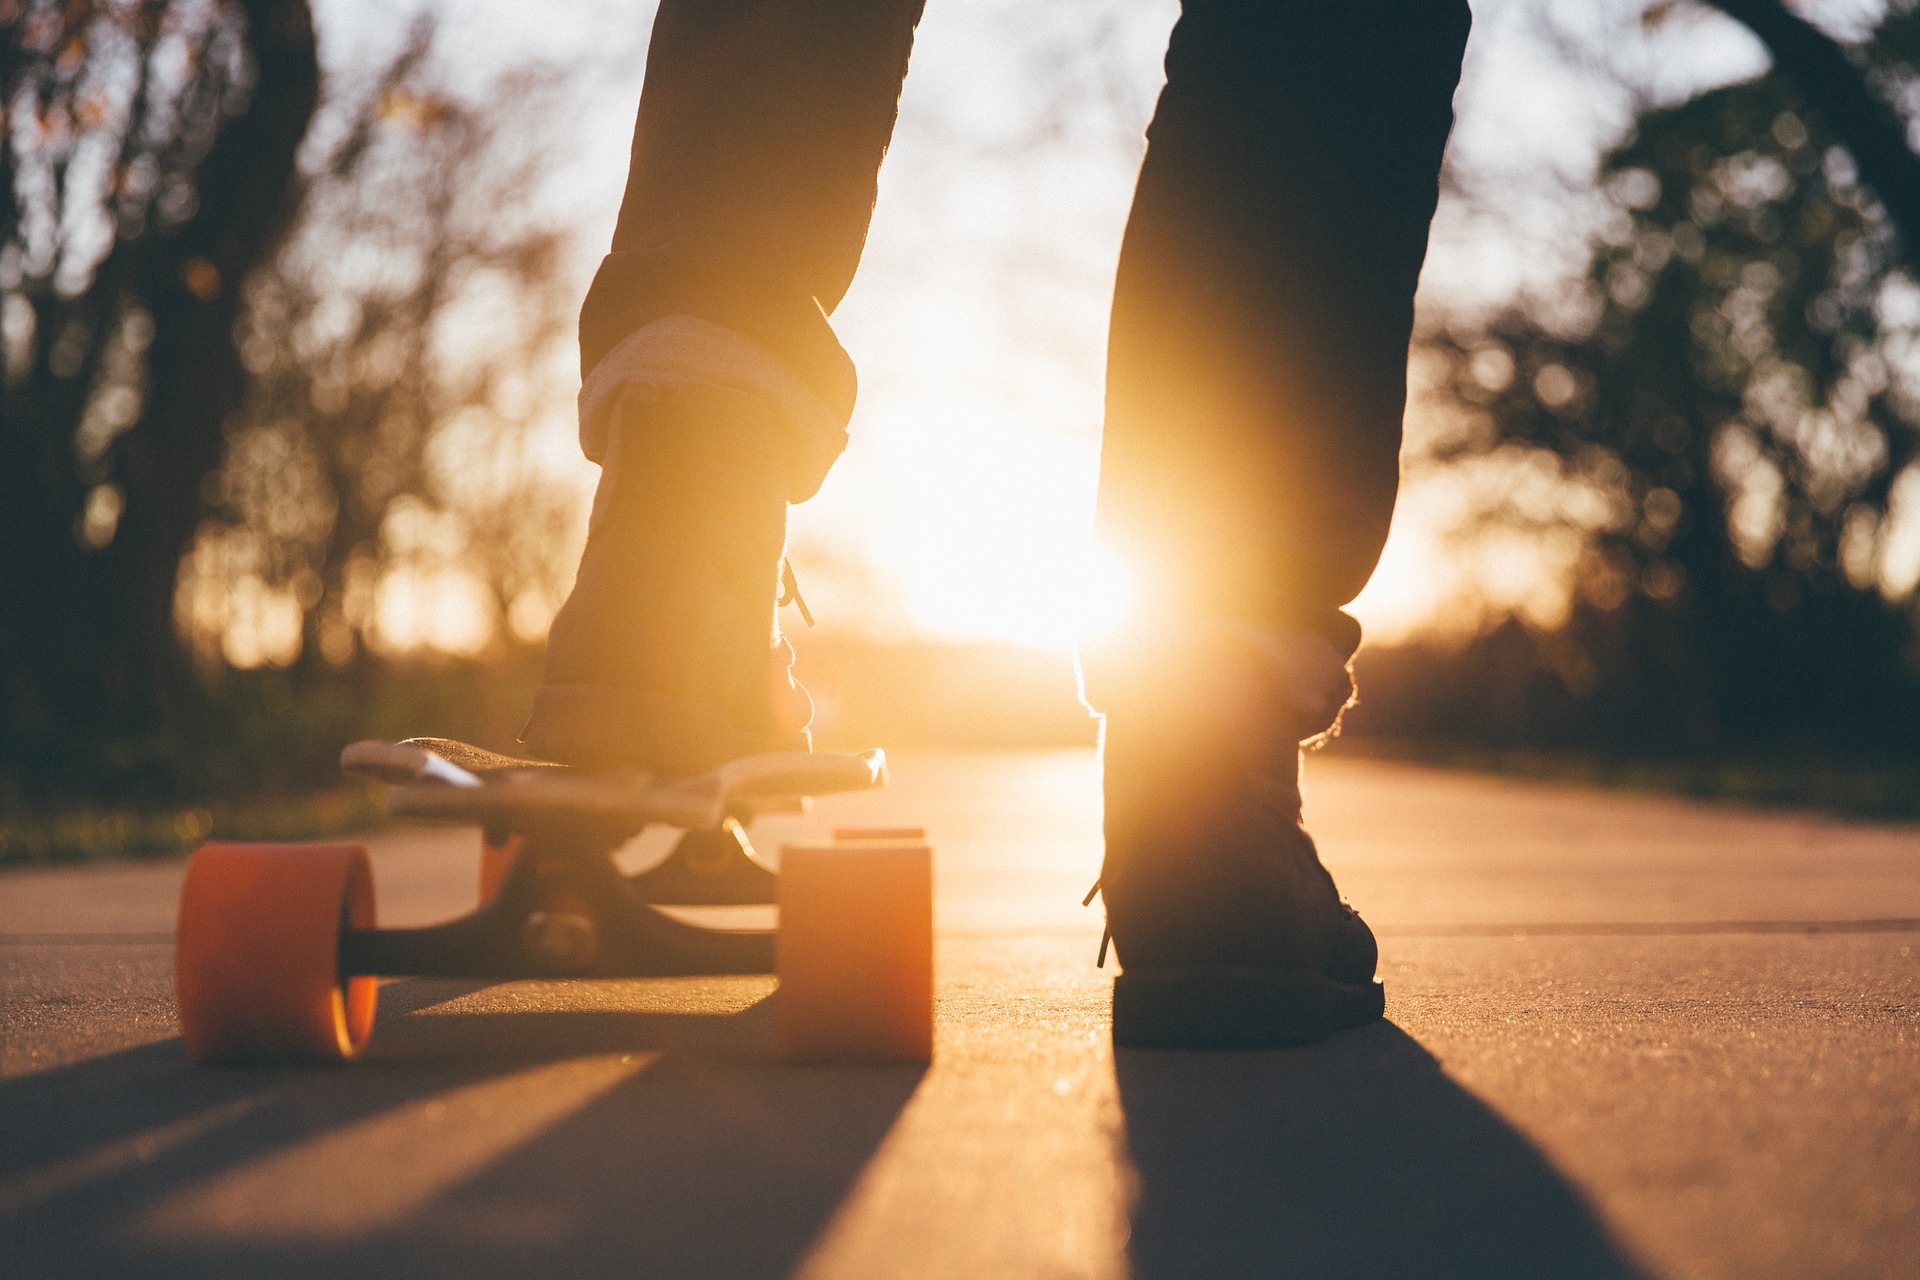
1355,1157
707,1156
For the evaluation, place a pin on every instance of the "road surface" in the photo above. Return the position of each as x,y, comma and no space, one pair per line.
1626,1036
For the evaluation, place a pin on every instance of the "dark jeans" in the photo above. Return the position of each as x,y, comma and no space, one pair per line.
1257,366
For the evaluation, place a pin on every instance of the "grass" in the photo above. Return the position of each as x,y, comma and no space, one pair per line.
84,834
247,756
255,758
1875,789
1857,789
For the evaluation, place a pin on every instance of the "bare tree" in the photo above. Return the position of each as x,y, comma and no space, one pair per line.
147,168
1733,427
1839,90
400,347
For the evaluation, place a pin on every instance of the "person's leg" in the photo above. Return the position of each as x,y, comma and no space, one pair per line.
715,391
755,160
1257,378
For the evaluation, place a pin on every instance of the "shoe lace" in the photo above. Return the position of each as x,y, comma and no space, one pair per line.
1106,933
790,592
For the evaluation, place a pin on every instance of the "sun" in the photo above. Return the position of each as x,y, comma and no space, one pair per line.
1109,597
970,524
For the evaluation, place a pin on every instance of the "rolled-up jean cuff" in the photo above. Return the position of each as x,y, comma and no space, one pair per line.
1272,686
678,351
733,287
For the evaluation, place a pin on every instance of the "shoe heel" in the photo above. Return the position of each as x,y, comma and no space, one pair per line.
1234,1008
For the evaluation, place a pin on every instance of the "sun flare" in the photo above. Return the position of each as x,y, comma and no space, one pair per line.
961,522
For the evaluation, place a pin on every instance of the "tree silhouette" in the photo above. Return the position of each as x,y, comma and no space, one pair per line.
147,168
1734,422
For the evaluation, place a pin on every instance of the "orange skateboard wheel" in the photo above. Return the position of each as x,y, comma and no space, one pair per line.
494,861
257,955
855,951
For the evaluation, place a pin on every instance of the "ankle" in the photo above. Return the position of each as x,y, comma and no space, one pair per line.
677,589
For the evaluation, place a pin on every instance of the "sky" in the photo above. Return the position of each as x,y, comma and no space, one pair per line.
962,509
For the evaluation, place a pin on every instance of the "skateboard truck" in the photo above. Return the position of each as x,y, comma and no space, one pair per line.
562,908
557,913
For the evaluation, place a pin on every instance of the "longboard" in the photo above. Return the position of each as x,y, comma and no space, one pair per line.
445,780
278,949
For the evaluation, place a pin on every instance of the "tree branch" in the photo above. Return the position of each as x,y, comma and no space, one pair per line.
1836,87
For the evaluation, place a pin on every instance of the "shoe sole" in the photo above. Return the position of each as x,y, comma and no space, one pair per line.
1232,1008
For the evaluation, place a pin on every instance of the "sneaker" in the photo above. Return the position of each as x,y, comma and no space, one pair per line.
1229,930
667,655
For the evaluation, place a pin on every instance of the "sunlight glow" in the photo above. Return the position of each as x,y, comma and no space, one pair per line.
449,611
962,511
964,522
1445,577
1109,594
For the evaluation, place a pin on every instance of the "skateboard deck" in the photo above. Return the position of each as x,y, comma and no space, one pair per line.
445,780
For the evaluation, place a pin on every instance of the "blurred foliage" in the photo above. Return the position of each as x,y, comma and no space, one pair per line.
271,366
86,834
254,755
271,363
147,167
1726,408
399,347
1853,787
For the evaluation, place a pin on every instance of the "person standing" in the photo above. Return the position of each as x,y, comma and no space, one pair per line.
1255,388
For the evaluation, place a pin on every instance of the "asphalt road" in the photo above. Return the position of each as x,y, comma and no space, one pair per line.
1626,1036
